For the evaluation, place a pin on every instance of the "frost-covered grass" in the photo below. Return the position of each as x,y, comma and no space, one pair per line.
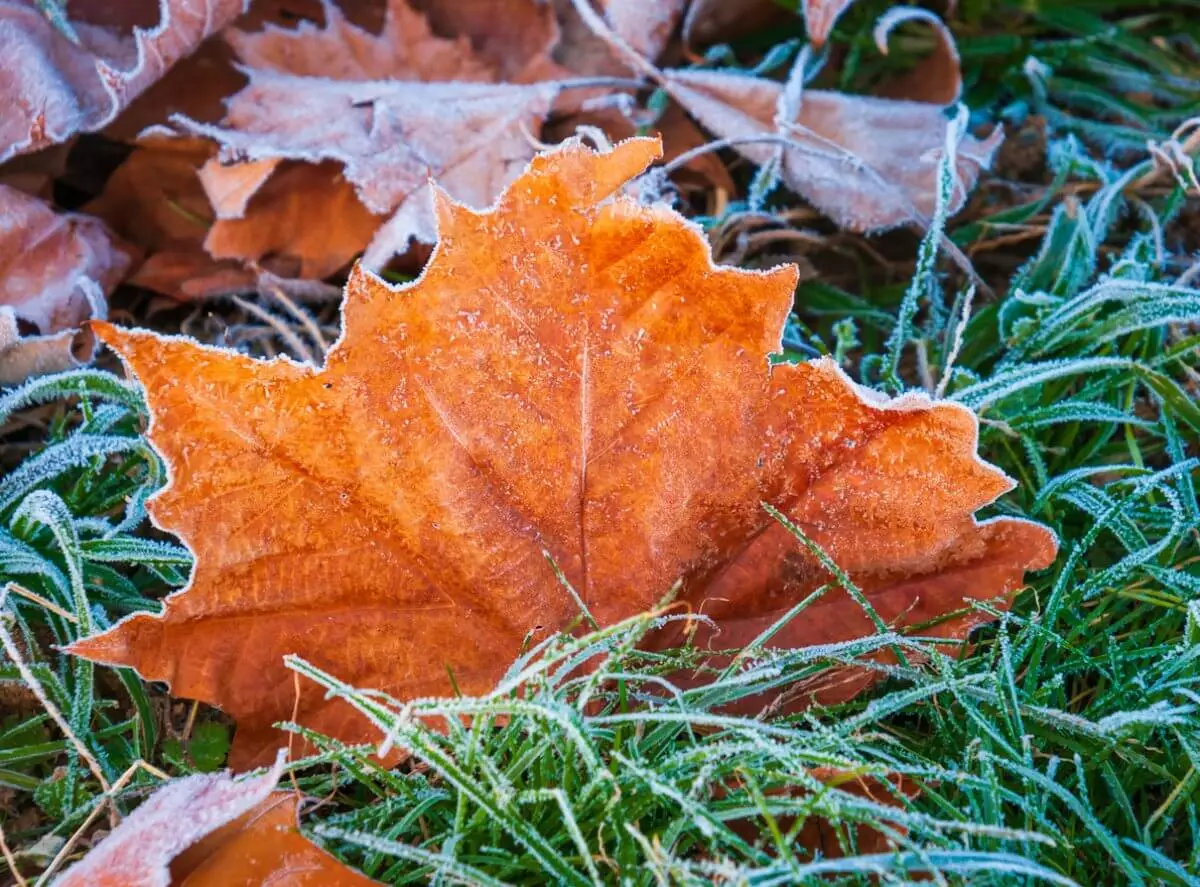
1063,747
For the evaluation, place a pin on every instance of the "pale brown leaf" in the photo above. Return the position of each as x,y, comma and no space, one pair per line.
394,109
210,831
306,211
52,88
514,37
55,271
869,163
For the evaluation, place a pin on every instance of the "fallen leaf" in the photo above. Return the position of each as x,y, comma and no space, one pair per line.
54,88
406,49
643,28
633,29
570,375
263,847
190,275
230,187
938,78
55,271
821,15
306,211
23,356
719,21
514,37
868,163
198,86
35,173
393,109
646,27
207,830
156,199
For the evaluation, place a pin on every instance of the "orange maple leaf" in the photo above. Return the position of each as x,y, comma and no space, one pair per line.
571,375
210,831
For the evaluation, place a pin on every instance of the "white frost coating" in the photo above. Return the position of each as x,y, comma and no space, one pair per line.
575,142
394,109
390,137
55,269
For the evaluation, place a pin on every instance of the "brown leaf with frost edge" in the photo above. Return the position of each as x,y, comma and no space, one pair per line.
55,271
393,109
206,830
54,88
571,374
869,163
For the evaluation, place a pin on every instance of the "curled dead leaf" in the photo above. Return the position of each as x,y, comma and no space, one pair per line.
936,80
54,88
55,271
211,831
868,163
571,375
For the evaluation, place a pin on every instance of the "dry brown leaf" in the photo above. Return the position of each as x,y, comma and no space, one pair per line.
53,88
393,109
55,271
156,199
192,275
35,173
198,86
868,163
263,848
718,21
210,831
571,375
938,78
306,211
514,37
644,28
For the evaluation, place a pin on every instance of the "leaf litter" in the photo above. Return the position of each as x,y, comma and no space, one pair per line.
271,206
393,96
